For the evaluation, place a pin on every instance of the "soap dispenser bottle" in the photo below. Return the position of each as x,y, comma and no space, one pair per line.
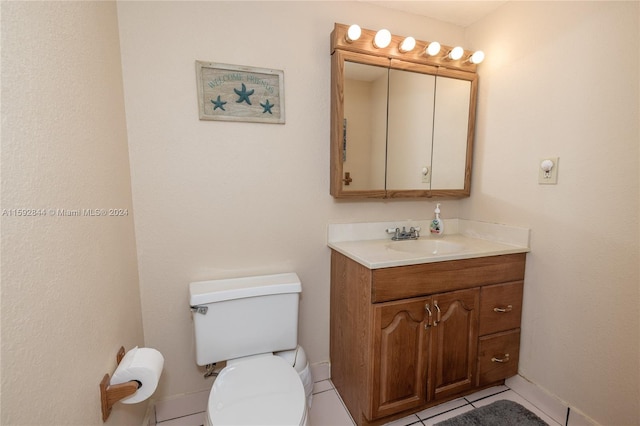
437,226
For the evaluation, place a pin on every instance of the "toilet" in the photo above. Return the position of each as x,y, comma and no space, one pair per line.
252,324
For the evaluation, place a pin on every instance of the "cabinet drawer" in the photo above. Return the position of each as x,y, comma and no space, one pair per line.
498,356
500,307
403,282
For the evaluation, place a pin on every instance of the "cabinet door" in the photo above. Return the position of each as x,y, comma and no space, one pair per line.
454,342
399,351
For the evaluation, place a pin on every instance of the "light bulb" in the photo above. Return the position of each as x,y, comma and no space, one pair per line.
382,39
477,57
407,44
456,53
433,49
353,33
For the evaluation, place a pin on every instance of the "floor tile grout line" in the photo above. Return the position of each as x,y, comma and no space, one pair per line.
417,417
180,417
418,422
488,396
324,391
443,412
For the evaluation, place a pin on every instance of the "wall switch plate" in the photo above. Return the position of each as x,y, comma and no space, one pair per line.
426,175
550,177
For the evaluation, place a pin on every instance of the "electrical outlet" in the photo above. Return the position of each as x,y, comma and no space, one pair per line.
426,175
548,171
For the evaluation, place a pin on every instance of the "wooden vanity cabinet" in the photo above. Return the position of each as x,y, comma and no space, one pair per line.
408,350
409,337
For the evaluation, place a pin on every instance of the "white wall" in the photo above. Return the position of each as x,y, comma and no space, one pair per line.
220,199
70,295
561,79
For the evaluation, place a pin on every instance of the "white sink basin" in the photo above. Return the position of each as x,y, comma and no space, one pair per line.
426,247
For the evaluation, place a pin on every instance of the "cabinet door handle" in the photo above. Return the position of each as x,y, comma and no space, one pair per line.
504,359
428,324
509,308
435,304
347,178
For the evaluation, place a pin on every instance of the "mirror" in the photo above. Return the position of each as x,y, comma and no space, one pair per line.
450,133
409,130
400,129
364,131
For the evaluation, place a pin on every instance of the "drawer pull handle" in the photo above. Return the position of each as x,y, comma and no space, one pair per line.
504,359
509,308
435,304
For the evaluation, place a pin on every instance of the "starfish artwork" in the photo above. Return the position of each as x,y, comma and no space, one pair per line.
218,104
244,94
267,107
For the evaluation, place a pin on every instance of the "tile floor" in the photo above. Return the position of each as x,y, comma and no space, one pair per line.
328,410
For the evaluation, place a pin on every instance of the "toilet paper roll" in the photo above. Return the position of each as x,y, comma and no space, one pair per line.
143,365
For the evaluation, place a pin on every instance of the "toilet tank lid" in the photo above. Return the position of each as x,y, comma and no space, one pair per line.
203,292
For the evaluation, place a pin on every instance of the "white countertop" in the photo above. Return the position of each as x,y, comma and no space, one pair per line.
471,240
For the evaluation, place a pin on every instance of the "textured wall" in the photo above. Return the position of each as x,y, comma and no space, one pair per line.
219,199
70,295
561,79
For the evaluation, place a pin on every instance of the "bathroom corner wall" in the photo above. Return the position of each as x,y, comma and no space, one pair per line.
216,199
562,79
70,295
219,199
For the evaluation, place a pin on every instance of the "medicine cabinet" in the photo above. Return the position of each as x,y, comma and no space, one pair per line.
402,124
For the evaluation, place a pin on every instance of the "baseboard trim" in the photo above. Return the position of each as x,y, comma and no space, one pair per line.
554,407
321,371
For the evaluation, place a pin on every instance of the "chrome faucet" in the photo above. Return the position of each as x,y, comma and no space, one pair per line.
412,234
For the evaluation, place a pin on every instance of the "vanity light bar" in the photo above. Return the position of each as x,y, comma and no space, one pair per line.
353,33
455,53
383,43
407,45
432,49
477,57
382,39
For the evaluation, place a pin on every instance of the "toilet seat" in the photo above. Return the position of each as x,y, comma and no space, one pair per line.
257,390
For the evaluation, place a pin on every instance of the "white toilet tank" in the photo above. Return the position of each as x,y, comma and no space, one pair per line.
239,317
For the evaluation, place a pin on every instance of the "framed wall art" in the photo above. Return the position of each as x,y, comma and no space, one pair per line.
240,93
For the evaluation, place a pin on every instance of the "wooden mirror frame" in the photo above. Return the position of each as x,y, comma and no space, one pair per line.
362,51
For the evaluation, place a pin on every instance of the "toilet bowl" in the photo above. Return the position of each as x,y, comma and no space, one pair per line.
297,358
252,324
258,390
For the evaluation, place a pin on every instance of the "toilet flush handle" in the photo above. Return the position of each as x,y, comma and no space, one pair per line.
199,309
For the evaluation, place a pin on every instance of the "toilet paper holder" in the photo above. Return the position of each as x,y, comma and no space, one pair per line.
109,394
